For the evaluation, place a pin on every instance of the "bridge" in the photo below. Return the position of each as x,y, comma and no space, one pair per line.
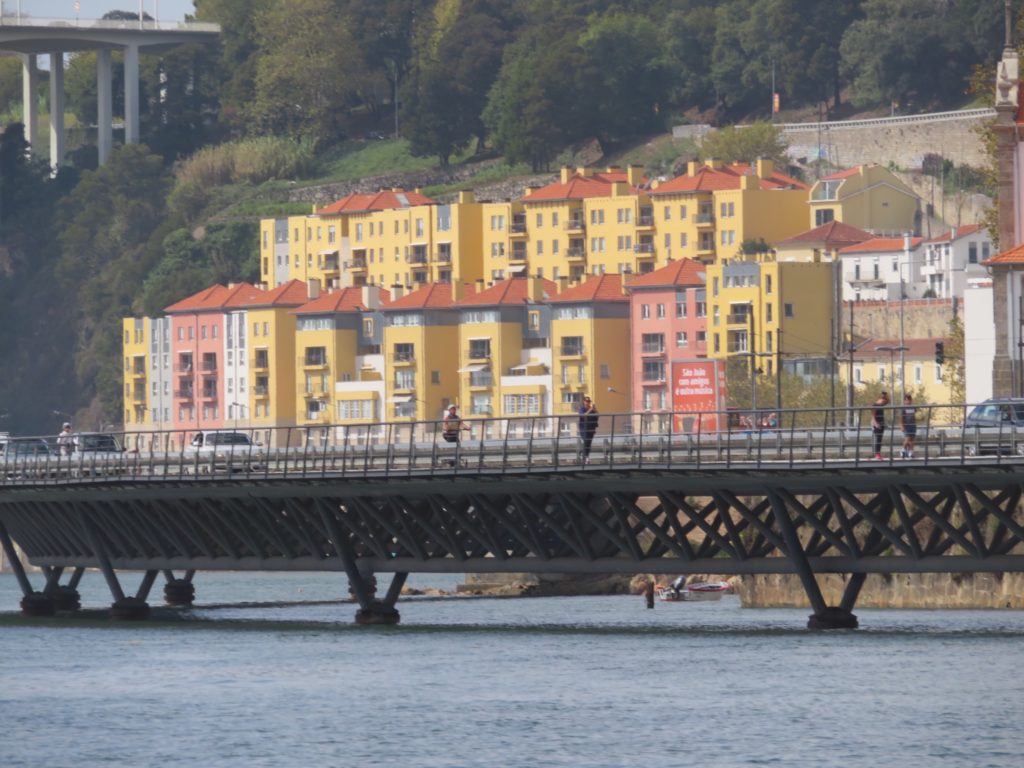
804,498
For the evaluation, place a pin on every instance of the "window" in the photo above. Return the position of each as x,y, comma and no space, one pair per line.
540,219
768,312
661,311
683,240
702,337
917,374
521,405
667,215
435,377
681,308
540,247
597,216
652,342
368,327
497,223
653,370
702,309
682,212
405,379
788,310
572,346
682,340
555,247
533,320
355,409
645,311
767,283
938,374
972,253
479,349
359,233
419,227
714,286
554,219
604,372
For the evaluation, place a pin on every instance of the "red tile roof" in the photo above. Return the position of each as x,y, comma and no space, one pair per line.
514,290
844,174
682,272
947,237
881,245
578,187
708,179
606,287
215,297
833,234
348,299
384,200
290,294
432,296
916,348
1013,256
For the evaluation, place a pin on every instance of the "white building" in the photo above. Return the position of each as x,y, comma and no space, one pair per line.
875,269
953,259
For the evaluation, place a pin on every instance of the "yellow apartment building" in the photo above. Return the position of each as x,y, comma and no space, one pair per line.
271,327
421,352
590,347
707,213
868,197
348,241
505,354
338,369
135,344
775,312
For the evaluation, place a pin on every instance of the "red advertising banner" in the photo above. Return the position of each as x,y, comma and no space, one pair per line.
698,387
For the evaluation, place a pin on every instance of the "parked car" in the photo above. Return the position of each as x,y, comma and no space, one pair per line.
97,442
996,426
27,447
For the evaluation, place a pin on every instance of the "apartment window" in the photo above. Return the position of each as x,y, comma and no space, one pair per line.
604,372
714,286
597,216
435,377
667,214
938,374
768,312
767,283
533,320
497,223
624,215
682,341
419,227
652,342
645,311
682,212
653,370
405,379
917,374
521,405
368,327
540,247
788,310
972,253
702,309
554,219
681,309
661,311
684,240
572,345
359,233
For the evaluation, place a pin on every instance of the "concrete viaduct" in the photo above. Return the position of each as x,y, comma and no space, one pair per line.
32,37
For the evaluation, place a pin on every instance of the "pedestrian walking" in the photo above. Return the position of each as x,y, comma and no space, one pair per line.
452,427
908,423
587,426
878,423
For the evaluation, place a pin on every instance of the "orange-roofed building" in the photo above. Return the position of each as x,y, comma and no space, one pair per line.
882,269
710,211
590,348
821,243
199,327
668,326
954,258
421,351
339,372
505,355
868,197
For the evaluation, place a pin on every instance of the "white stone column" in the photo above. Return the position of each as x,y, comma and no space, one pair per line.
56,109
131,94
29,102
104,105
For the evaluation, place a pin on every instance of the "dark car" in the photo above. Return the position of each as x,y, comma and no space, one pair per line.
97,442
997,412
26,447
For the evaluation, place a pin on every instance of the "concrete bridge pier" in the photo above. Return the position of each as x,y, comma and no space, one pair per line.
825,616
33,603
179,591
65,596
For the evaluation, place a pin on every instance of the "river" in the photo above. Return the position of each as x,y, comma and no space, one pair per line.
573,681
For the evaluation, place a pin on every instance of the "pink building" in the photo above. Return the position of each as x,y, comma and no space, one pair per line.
668,325
197,351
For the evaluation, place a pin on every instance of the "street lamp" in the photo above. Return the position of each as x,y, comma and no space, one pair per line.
892,351
235,407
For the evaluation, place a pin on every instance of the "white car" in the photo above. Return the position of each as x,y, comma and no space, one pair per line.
227,450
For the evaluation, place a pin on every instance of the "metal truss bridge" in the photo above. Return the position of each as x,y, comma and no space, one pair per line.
794,502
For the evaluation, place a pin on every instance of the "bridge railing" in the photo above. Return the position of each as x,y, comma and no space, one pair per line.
766,440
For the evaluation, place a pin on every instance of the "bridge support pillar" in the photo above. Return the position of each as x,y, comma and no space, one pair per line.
65,596
179,591
33,603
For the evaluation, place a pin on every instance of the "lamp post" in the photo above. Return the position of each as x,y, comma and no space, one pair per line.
235,407
892,351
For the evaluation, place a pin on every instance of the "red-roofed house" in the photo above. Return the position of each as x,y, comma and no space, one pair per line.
955,257
868,197
883,269
199,325
821,243
711,210
668,325
590,348
505,354
339,370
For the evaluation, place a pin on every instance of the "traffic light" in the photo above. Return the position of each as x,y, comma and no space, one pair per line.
940,353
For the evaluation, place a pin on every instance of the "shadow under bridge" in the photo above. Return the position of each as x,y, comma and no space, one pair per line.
823,519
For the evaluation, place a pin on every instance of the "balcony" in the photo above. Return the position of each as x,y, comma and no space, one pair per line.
518,256
183,367
261,391
704,219
517,227
575,225
313,361
443,257
404,358
645,220
139,367
571,350
575,254
261,362
331,263
479,353
738,318
643,248
184,394
355,264
139,394
649,350
416,258
737,348
210,393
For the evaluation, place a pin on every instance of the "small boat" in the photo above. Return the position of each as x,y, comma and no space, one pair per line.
697,592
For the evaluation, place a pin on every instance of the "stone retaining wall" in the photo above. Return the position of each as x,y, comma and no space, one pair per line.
919,590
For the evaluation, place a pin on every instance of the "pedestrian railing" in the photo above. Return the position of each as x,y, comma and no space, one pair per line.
787,439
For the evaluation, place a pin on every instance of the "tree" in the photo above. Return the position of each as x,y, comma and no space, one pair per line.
305,51
954,371
746,144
